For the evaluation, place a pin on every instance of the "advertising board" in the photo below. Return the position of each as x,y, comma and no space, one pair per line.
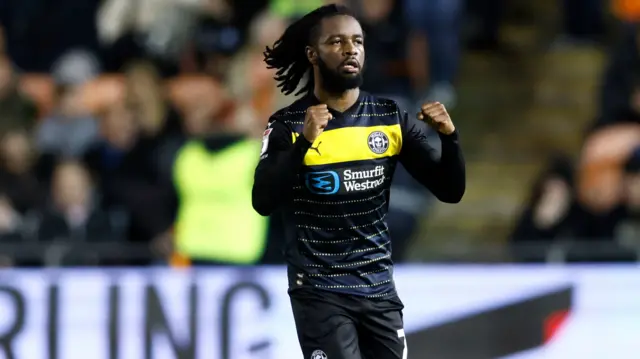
450,312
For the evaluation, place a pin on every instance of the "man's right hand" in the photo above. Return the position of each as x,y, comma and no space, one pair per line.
315,121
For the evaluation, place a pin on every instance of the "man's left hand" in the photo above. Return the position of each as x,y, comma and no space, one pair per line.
436,115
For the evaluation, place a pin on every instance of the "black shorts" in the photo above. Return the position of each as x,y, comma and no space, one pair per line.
336,326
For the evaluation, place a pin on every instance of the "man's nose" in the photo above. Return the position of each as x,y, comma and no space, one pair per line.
350,50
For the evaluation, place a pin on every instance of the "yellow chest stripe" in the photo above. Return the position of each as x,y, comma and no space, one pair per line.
354,144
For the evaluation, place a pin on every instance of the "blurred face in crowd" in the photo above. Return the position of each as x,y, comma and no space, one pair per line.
16,152
199,121
70,104
603,197
6,77
71,186
118,126
339,54
374,11
554,202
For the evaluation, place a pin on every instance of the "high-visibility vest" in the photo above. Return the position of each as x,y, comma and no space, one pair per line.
628,10
216,221
293,8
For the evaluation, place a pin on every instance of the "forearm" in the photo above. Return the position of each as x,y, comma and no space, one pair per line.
451,175
446,177
276,176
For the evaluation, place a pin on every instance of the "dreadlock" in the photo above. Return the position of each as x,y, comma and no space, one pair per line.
288,55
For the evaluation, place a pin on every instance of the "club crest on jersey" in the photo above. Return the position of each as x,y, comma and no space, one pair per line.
378,142
318,354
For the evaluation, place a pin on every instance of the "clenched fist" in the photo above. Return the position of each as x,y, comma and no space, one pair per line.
315,121
437,117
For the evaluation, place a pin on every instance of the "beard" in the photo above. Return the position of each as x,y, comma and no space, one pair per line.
335,82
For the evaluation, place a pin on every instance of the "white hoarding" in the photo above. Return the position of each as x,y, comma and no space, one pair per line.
231,313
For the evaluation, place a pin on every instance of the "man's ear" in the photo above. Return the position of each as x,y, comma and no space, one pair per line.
312,55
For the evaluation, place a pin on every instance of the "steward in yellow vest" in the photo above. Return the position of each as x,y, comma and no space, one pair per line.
215,221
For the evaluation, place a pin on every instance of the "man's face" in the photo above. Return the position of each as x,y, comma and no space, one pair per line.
340,53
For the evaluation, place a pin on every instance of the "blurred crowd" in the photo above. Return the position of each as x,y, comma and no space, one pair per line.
588,204
104,105
104,102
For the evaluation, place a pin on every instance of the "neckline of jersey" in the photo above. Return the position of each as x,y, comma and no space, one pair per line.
346,113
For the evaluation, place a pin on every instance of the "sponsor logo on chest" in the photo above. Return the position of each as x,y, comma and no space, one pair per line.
345,180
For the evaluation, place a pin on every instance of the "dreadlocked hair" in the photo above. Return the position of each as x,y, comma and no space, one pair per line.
288,54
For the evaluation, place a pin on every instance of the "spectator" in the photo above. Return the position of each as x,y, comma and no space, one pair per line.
118,133
209,143
600,167
250,81
70,130
214,222
138,184
550,214
601,188
156,119
17,175
16,110
616,228
73,214
556,219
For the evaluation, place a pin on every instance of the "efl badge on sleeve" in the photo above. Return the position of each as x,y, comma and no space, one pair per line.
265,142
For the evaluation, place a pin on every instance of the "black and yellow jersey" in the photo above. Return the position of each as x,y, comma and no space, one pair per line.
334,193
